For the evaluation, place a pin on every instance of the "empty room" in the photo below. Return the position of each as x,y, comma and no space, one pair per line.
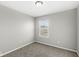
39,28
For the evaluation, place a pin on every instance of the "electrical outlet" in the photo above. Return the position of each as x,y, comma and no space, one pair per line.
58,42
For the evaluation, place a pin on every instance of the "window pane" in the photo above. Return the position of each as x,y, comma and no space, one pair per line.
43,28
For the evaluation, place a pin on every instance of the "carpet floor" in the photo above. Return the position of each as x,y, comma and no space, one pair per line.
40,50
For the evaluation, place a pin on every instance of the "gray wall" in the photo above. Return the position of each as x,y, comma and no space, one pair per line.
16,29
78,30
62,29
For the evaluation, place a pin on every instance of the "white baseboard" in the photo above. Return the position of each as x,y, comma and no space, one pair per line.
56,46
15,49
77,52
41,43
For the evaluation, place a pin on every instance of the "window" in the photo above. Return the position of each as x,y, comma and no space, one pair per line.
43,28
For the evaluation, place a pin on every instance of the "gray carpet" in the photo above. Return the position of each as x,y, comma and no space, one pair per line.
40,50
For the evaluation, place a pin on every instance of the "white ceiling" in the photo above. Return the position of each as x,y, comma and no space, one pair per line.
28,7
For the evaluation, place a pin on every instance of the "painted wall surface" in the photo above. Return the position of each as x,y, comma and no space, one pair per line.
16,29
62,29
78,31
